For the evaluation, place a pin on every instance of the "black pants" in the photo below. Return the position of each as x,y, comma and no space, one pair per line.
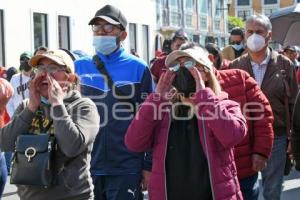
122,187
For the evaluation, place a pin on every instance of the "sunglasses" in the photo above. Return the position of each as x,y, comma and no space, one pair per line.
51,69
107,28
175,66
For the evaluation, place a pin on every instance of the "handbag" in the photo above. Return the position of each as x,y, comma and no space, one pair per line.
33,161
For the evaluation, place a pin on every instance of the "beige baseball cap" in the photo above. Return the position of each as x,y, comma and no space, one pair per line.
197,53
60,57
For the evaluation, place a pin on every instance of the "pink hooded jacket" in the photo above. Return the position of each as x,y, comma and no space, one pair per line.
223,127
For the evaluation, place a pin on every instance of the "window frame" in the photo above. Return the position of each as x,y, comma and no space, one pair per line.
134,35
267,4
45,28
68,32
237,1
147,56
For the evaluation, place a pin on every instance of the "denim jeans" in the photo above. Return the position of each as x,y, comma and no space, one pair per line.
8,157
250,187
272,175
3,173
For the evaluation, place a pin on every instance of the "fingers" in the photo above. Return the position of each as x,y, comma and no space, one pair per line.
198,78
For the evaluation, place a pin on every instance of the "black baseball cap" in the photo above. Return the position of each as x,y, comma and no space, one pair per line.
110,14
180,33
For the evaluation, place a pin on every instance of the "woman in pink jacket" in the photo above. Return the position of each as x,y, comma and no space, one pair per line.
191,127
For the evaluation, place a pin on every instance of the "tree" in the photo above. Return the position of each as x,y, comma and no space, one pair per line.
234,22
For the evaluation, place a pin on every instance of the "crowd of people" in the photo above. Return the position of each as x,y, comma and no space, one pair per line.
199,123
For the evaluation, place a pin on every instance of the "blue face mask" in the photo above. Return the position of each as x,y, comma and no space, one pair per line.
105,44
45,101
238,46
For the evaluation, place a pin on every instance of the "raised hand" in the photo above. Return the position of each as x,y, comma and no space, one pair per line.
55,92
34,92
198,78
164,84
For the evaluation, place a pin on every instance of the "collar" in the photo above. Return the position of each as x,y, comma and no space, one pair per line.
111,57
265,61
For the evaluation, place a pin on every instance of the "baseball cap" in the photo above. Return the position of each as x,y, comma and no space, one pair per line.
60,57
110,14
26,54
180,33
292,48
197,53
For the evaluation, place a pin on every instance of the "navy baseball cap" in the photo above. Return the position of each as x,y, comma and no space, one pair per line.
110,14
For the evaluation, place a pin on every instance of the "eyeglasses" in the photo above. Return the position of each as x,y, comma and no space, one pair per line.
175,66
107,28
51,69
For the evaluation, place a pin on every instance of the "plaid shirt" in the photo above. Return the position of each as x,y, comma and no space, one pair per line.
259,70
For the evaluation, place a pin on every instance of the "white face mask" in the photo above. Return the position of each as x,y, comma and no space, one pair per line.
256,42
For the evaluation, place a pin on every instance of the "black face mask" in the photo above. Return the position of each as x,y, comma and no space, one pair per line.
184,82
25,66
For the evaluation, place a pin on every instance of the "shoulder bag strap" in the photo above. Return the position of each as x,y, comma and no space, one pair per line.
21,86
109,81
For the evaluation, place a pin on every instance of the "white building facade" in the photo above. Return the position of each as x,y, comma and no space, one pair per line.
26,25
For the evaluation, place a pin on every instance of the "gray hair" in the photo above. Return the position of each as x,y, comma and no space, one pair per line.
260,19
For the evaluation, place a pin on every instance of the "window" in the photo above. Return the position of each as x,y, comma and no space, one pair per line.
175,16
298,1
174,3
270,1
132,36
203,8
196,39
2,46
145,43
40,30
243,2
202,12
188,13
203,22
189,4
269,11
218,8
244,14
64,32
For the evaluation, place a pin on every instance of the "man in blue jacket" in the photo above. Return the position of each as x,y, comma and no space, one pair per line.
117,173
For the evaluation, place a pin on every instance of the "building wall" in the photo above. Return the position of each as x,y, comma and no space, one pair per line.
258,6
286,3
18,23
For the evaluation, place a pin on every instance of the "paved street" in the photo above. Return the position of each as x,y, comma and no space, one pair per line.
291,189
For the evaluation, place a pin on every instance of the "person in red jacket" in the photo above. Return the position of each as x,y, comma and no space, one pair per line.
252,153
6,91
191,127
158,67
